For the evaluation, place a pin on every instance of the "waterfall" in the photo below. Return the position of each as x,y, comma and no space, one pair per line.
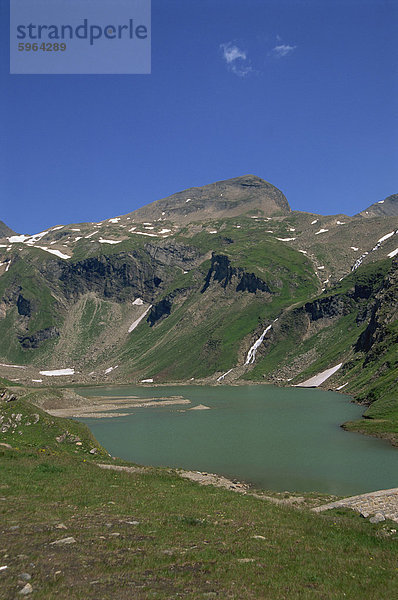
251,355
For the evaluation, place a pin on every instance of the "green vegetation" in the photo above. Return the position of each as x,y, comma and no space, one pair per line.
32,428
152,534
370,376
209,333
23,278
204,332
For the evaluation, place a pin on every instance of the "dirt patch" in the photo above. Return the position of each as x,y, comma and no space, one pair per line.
97,407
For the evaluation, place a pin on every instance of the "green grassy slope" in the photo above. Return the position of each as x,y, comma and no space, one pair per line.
154,535
300,349
205,330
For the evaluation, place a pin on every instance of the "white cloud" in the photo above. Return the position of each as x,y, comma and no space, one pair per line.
236,59
283,50
232,53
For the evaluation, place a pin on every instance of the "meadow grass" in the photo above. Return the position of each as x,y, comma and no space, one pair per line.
153,534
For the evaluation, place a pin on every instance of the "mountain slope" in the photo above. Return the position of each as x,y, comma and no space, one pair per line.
268,297
5,230
229,198
384,208
354,323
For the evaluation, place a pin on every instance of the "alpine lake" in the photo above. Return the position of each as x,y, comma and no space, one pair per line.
274,438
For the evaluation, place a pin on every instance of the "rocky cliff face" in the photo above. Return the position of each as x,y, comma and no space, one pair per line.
119,277
30,342
383,314
222,272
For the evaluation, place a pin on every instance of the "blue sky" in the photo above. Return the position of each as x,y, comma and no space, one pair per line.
302,93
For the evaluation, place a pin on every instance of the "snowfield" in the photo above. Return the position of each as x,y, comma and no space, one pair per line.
58,372
138,321
101,241
55,252
320,378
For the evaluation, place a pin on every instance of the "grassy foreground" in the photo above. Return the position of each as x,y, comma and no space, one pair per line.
155,535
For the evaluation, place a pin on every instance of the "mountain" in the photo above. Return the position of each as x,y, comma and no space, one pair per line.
384,208
230,286
223,199
5,230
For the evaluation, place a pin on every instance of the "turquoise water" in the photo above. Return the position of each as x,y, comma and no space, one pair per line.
275,438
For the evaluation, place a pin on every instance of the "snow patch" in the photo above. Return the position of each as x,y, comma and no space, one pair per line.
146,380
188,200
342,386
75,229
57,228
138,321
101,241
313,222
12,366
213,231
320,378
385,237
110,369
393,253
286,239
321,231
225,374
321,267
340,223
114,220
38,236
292,229
144,233
354,248
303,251
55,252
58,372
37,380
379,242
381,202
18,239
138,302
164,231
90,234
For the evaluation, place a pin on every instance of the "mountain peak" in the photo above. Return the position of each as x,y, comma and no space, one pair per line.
227,198
384,208
5,231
